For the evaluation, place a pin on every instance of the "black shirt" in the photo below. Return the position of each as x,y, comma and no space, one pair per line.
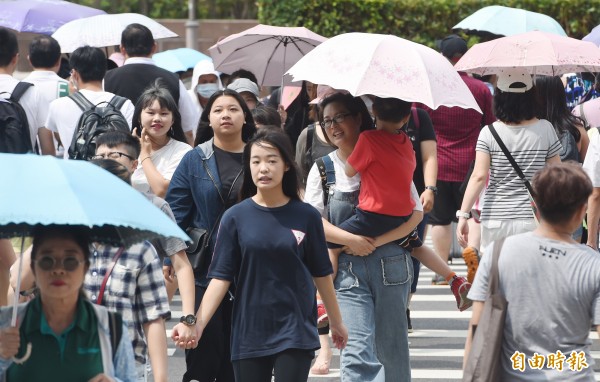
229,165
424,132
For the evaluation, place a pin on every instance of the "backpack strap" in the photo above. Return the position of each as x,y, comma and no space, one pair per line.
310,132
115,330
19,90
415,116
117,102
83,103
582,116
327,172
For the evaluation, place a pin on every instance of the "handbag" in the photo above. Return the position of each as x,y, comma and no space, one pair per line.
484,360
199,250
517,169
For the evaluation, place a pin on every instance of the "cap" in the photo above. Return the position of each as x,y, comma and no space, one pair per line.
452,45
514,80
324,91
244,85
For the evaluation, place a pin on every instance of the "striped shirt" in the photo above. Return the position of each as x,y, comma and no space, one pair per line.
135,288
531,145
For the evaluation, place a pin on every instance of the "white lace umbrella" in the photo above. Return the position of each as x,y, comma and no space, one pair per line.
104,30
385,66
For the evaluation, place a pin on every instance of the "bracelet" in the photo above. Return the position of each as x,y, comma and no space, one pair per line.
142,162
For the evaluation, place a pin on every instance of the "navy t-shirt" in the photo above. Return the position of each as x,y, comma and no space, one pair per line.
271,254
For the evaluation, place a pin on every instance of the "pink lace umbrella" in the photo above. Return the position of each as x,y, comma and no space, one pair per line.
541,53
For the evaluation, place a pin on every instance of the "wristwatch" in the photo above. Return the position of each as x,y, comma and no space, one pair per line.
432,188
189,320
464,215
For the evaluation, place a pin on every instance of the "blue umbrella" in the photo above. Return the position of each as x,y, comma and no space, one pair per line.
496,20
179,60
41,16
43,190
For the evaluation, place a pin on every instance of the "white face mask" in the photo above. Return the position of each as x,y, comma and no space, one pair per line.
206,90
74,83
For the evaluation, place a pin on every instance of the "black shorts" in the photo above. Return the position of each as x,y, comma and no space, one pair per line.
447,201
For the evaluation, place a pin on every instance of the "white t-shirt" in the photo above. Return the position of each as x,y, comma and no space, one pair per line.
30,102
50,86
530,145
553,294
313,194
64,114
591,164
166,160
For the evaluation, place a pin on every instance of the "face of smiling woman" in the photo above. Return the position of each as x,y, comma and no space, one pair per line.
156,120
342,128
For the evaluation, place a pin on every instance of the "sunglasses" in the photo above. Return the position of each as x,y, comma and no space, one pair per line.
69,263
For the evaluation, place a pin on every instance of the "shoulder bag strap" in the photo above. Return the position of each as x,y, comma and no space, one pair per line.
210,174
494,275
310,132
218,220
107,275
582,116
510,158
415,116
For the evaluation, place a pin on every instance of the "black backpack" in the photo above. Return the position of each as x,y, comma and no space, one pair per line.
14,128
95,121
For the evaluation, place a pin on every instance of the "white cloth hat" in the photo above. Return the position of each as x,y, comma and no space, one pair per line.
514,80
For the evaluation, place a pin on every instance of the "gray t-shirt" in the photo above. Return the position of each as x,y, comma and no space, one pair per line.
553,294
531,145
165,247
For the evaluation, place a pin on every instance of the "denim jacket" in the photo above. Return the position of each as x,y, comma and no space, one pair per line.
193,197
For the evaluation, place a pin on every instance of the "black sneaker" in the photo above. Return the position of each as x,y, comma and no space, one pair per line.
410,329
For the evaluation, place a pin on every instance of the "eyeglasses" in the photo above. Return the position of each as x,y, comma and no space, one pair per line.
48,263
327,123
113,155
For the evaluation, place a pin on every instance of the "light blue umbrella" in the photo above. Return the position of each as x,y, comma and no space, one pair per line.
496,20
43,190
179,60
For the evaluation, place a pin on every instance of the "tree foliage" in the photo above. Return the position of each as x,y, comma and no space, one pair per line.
422,21
178,9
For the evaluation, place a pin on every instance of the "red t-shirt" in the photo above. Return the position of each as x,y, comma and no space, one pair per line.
386,163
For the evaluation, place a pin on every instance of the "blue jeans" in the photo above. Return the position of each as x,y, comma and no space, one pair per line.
372,292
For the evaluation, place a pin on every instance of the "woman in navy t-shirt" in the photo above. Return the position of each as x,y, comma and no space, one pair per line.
272,246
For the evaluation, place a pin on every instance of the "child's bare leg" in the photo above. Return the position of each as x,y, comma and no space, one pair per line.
428,258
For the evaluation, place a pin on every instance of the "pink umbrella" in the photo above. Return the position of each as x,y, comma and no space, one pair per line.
385,66
539,52
265,50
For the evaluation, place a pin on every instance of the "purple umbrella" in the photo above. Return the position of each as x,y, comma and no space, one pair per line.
41,16
593,36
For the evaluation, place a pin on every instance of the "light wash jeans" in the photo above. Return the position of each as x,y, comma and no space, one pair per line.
372,292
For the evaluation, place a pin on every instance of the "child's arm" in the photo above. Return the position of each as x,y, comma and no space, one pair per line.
401,231
349,170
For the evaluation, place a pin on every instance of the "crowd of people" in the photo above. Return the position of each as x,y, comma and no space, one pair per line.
311,243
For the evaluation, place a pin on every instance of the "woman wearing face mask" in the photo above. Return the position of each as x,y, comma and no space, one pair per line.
205,82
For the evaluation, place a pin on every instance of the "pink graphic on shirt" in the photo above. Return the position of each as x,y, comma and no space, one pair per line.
299,235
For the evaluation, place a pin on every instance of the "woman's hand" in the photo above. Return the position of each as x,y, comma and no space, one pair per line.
427,199
146,143
339,334
462,232
361,245
9,342
186,337
168,273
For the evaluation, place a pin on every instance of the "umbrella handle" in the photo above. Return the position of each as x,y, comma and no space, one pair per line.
25,357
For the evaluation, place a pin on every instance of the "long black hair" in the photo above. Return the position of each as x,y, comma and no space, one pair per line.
205,132
280,141
158,92
552,106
